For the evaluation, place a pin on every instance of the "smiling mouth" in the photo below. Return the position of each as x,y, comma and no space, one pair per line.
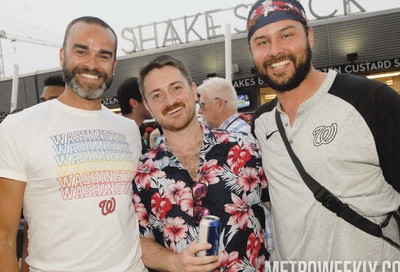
89,76
174,110
280,64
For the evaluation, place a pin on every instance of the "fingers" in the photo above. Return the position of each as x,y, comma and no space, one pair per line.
188,261
197,264
195,247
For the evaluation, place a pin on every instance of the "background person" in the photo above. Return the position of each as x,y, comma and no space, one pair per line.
53,87
131,103
343,128
225,165
53,168
218,105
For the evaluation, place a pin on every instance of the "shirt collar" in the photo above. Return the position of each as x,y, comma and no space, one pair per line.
229,121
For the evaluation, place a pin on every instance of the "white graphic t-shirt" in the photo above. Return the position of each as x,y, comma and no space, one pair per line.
78,167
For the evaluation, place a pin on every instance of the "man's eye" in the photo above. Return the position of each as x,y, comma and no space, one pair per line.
105,57
286,36
262,43
156,96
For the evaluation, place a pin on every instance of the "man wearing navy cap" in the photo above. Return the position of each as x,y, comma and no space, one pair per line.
342,129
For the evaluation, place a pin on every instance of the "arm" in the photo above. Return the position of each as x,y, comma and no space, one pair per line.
386,135
167,260
11,198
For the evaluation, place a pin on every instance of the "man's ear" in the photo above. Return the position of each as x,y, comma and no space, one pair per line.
221,104
61,56
133,103
194,91
311,36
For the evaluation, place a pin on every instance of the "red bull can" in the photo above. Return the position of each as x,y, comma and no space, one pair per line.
209,231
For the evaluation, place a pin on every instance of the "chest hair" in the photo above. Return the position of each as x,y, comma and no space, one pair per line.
190,161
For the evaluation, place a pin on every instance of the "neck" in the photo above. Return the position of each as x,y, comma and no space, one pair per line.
188,138
290,101
223,116
70,98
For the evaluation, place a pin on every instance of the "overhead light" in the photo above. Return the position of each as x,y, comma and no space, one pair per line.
269,96
384,75
389,82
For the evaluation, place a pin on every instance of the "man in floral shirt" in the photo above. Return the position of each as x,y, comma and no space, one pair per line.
227,164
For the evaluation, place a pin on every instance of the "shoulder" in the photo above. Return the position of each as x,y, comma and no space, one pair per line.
28,115
268,107
240,125
348,86
120,121
157,152
116,117
363,93
229,138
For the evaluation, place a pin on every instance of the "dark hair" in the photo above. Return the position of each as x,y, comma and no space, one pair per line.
127,90
54,80
142,129
90,20
159,62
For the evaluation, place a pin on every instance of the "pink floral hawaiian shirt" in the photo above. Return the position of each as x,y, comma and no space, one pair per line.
230,166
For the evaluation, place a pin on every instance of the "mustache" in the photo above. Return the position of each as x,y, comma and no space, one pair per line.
172,107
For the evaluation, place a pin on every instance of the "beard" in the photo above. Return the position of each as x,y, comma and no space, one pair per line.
302,68
84,90
176,125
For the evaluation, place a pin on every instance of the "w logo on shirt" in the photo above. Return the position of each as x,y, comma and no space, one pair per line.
107,206
324,134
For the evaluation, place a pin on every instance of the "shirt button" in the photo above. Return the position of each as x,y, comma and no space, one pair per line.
286,124
291,141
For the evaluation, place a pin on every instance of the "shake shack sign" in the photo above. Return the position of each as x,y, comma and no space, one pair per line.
210,24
